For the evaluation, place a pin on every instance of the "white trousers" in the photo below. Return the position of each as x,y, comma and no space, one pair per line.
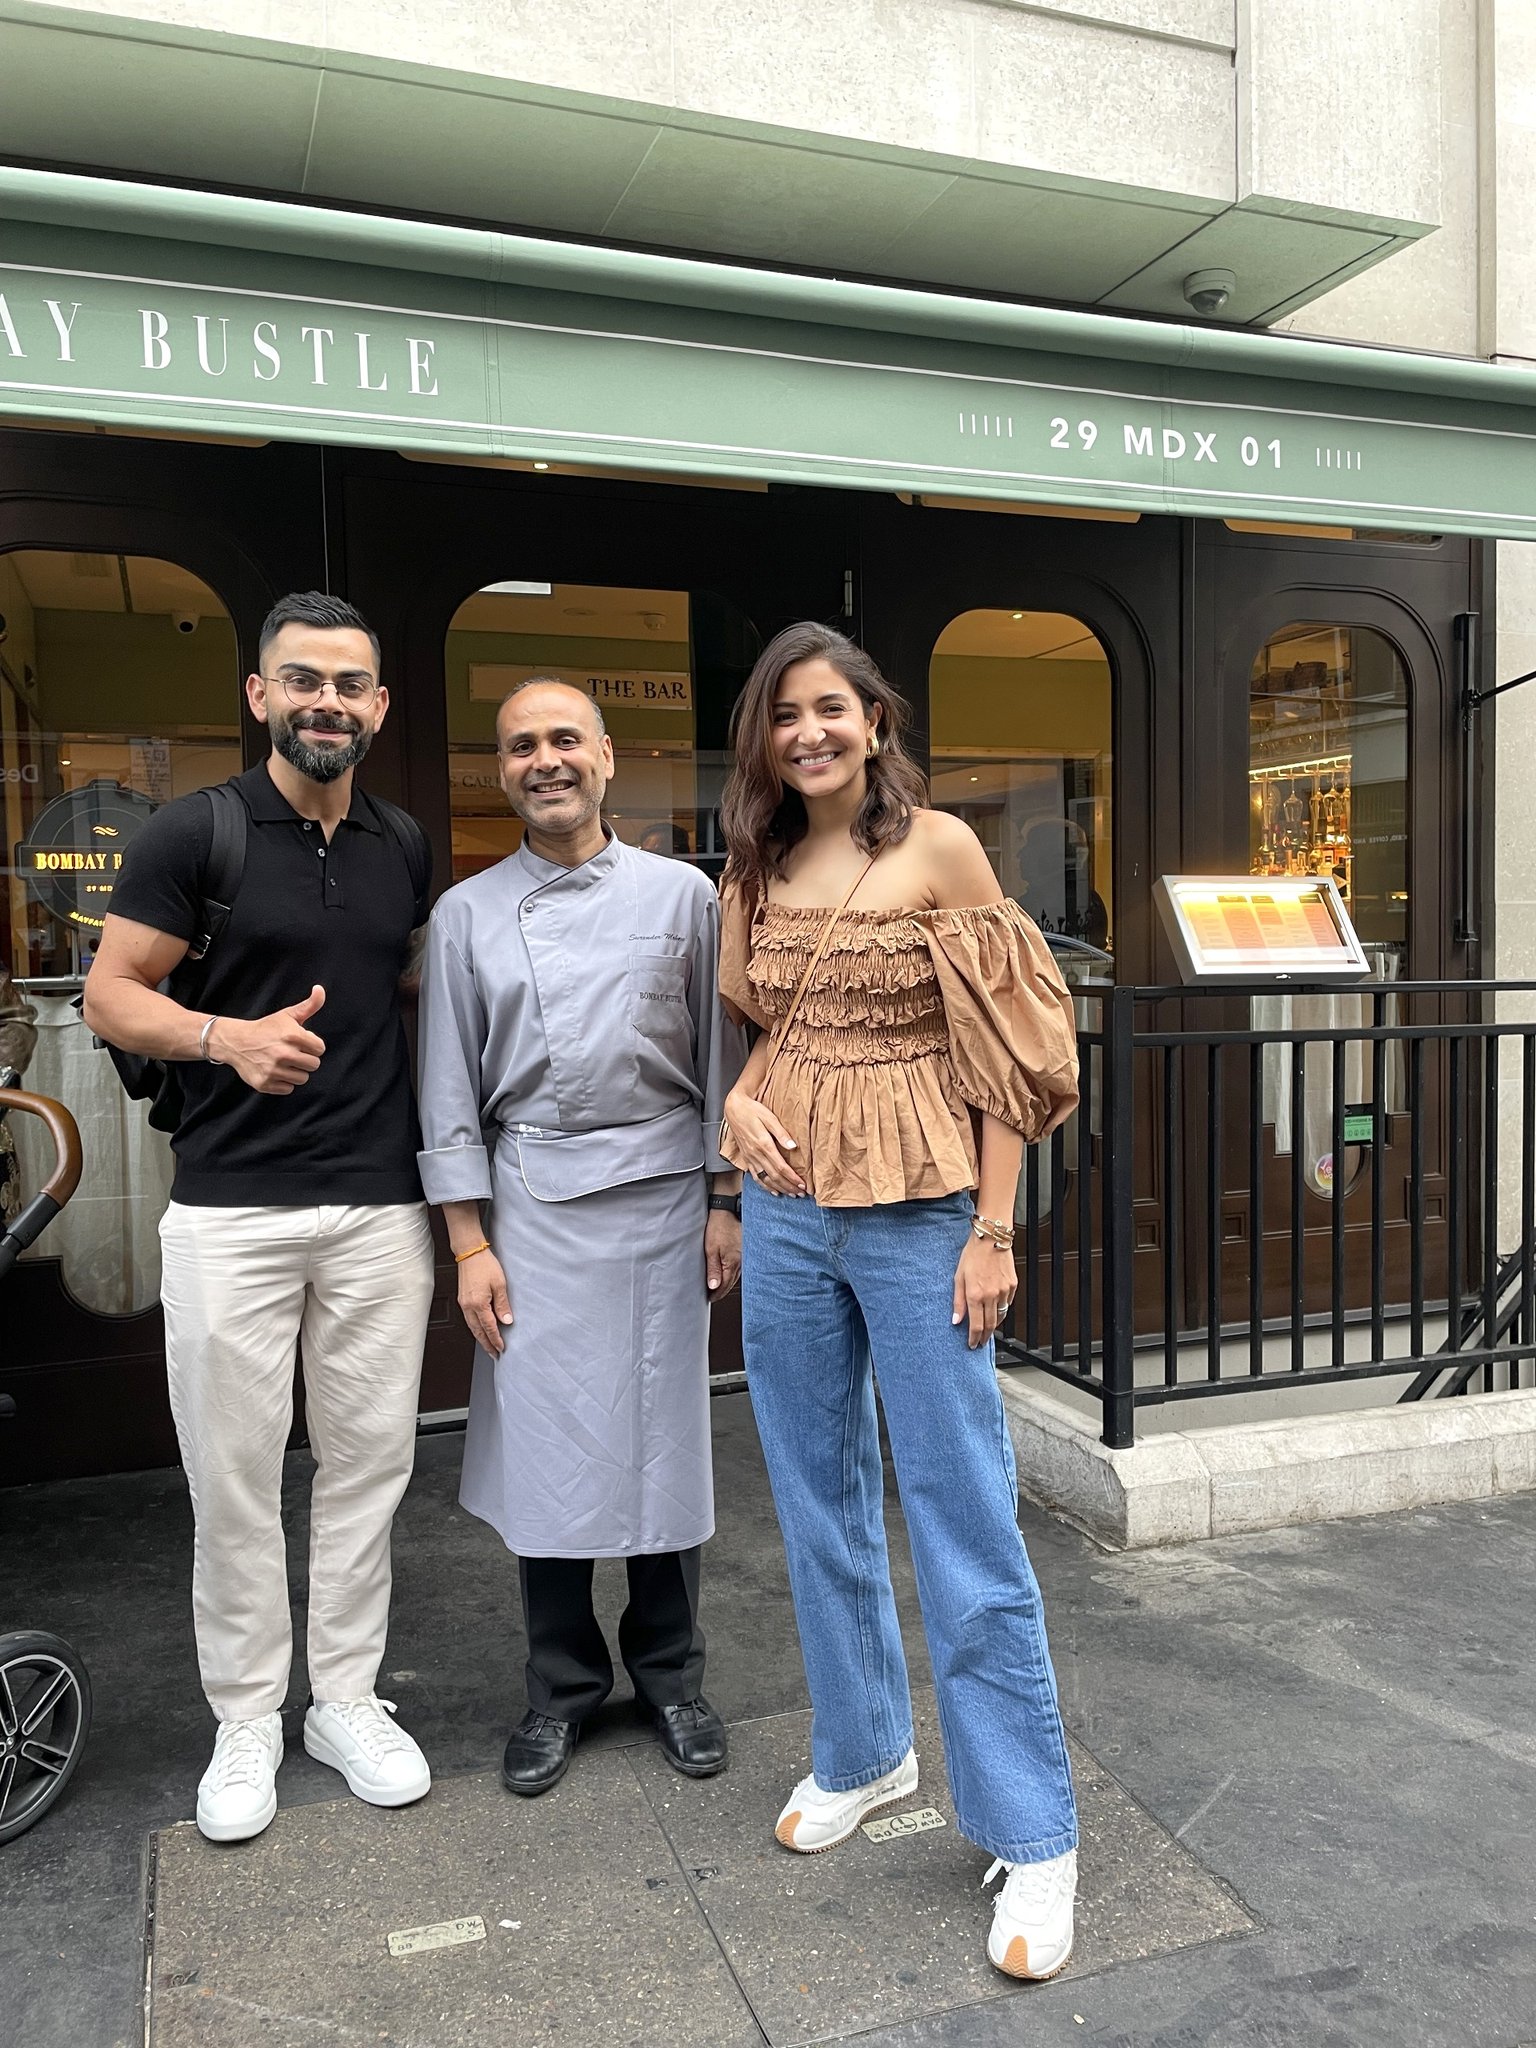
240,1288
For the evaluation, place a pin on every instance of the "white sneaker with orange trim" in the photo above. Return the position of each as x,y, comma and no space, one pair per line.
1032,1920
814,1820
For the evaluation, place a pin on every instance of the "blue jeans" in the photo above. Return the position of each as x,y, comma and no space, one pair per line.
827,1295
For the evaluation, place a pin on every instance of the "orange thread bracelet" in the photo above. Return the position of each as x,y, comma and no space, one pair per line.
483,1246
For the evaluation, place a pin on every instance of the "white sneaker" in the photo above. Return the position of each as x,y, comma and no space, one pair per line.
1032,1920
378,1760
237,1797
814,1820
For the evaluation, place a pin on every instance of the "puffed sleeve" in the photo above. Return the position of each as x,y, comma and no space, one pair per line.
1012,1034
736,919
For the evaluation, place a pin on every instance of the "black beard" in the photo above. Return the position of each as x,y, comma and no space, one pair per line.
321,764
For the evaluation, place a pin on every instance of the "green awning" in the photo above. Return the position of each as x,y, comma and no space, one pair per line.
188,311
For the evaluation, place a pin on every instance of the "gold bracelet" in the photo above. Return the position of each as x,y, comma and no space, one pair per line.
483,1246
998,1235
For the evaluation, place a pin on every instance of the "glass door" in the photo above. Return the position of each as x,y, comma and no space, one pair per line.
1327,744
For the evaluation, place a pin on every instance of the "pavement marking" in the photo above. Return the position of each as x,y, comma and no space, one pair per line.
895,1825
1205,1806
1330,1662
410,1941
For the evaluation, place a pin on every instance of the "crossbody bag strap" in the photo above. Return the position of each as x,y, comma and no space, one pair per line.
788,1018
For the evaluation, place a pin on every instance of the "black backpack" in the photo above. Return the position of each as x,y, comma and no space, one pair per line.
158,1082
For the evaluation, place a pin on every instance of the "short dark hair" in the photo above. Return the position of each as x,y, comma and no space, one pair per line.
552,683
314,608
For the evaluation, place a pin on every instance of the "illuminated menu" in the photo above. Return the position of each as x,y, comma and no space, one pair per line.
1226,928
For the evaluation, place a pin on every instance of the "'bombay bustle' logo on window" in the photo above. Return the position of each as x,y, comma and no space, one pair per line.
73,853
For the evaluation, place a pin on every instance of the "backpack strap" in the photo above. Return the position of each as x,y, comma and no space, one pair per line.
224,867
412,842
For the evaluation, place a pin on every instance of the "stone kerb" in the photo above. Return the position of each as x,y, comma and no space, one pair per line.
1178,1486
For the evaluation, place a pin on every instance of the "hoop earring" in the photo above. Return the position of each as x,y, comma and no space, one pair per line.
872,748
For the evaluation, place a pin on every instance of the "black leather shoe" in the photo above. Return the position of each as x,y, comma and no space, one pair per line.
538,1754
692,1737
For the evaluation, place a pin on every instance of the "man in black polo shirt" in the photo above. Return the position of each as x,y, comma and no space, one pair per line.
296,1207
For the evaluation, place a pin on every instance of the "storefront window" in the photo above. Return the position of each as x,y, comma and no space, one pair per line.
119,689
1328,772
1022,746
663,665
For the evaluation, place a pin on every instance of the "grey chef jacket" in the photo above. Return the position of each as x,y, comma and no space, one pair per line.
574,1063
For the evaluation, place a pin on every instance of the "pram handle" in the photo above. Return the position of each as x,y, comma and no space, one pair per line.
60,1184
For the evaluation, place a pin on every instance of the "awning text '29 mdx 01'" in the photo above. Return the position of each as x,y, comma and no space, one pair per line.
162,308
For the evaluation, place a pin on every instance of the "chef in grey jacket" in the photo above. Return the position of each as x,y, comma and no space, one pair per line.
574,1062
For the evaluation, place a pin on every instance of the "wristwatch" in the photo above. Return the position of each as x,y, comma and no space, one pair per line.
730,1202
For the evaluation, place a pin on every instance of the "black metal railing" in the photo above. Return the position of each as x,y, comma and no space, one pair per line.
1341,1188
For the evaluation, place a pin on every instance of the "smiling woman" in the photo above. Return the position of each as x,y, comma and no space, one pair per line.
815,716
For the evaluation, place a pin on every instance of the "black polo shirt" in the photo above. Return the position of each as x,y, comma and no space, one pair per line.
306,912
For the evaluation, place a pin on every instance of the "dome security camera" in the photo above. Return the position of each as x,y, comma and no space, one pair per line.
1208,290
184,622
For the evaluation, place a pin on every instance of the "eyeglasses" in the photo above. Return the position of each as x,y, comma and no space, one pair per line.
300,686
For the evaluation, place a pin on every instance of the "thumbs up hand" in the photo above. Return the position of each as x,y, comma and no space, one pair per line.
275,1054
312,1002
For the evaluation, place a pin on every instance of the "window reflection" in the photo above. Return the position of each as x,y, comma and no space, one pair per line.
119,689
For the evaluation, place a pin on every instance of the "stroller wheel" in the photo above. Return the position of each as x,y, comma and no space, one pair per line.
45,1716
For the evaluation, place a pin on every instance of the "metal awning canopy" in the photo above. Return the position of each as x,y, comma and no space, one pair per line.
165,308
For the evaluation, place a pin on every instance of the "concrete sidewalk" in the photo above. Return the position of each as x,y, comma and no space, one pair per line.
1305,1762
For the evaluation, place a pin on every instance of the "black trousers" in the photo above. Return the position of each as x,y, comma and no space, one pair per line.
570,1672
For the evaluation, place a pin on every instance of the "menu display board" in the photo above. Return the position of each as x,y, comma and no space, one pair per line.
1245,927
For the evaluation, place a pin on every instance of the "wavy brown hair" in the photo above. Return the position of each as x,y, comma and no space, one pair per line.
763,819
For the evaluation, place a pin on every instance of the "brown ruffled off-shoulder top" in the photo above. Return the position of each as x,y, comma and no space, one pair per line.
914,1021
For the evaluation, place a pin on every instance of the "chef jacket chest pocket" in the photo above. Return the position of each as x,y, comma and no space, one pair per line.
658,996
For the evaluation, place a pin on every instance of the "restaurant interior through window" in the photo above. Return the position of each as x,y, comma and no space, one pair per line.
119,689
1328,774
663,666
1021,718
